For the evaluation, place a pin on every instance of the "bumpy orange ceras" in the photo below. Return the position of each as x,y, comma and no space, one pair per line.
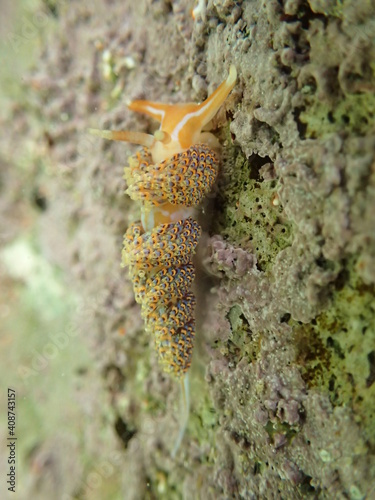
170,176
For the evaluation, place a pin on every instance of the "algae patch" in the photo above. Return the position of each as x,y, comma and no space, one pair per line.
247,204
354,114
336,351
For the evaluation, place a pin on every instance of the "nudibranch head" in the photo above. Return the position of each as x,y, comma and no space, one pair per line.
180,124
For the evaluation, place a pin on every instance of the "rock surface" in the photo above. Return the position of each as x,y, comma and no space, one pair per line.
282,386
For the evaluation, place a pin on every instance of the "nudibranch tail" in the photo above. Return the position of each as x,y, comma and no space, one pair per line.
185,410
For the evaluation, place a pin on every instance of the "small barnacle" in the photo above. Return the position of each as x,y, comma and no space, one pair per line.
275,200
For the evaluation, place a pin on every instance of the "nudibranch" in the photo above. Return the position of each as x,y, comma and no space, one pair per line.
170,177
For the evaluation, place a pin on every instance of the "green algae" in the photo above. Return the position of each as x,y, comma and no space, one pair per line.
334,9
354,114
203,422
336,351
277,427
241,343
249,215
